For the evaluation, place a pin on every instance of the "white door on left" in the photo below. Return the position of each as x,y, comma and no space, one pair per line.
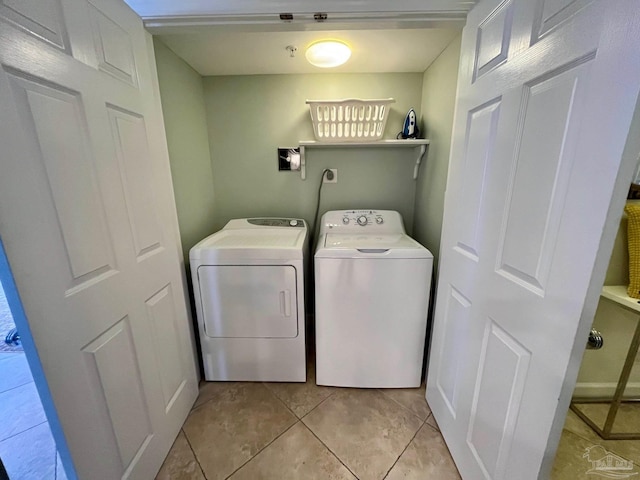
88,221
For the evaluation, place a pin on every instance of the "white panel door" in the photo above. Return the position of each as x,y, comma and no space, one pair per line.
546,95
88,222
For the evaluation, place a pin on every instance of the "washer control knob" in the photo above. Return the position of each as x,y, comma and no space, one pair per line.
379,220
345,220
293,223
362,220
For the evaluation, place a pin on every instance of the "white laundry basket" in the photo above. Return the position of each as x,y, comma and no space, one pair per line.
349,120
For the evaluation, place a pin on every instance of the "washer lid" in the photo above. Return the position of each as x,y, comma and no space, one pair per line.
335,245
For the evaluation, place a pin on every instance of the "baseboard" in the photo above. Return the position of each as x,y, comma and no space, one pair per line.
605,389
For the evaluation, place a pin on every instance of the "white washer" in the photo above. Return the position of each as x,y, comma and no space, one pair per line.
372,284
248,282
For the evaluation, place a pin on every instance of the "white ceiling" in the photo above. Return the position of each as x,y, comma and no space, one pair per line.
248,53
247,37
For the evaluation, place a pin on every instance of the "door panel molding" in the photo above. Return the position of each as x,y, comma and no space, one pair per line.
500,382
43,20
554,172
550,16
458,312
113,47
493,37
115,360
481,135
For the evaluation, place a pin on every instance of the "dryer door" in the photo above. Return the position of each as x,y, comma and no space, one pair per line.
249,301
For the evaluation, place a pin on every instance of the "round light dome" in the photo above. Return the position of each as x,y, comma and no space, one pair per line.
328,53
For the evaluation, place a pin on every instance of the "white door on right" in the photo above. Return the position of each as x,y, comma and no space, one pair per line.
546,94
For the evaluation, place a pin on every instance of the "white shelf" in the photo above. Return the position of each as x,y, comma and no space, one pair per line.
378,144
420,145
618,294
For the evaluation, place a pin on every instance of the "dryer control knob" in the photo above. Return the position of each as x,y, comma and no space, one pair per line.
379,220
293,223
362,220
345,220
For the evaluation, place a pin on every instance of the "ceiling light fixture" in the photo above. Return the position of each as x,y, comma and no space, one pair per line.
328,53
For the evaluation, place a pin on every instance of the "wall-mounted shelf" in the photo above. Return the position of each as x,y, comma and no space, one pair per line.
618,294
419,145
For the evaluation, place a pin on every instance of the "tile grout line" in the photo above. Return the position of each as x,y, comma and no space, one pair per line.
18,386
11,352
23,431
424,422
281,401
403,406
405,449
193,409
432,427
193,452
436,430
320,403
298,420
579,434
290,410
265,447
329,450
582,436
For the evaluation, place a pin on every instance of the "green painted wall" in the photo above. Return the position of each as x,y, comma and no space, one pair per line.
438,102
185,122
249,117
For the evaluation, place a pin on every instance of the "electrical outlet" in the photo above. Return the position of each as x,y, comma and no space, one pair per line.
335,176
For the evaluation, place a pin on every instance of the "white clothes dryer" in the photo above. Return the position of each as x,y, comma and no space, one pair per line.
372,286
248,282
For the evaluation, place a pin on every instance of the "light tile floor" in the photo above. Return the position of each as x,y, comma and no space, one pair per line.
302,431
296,431
572,459
27,448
